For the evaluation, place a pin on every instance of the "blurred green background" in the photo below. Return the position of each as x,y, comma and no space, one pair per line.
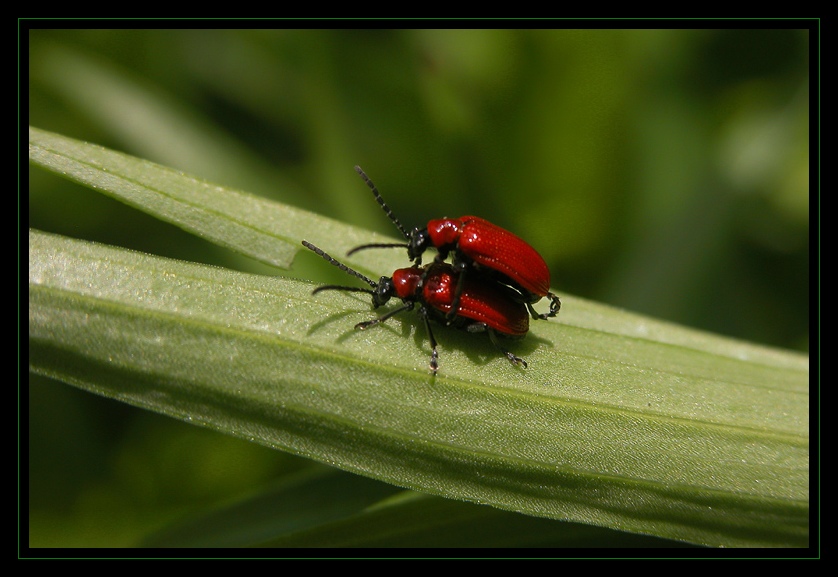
662,171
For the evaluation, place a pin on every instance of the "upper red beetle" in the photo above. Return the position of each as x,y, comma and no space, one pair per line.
477,245
483,306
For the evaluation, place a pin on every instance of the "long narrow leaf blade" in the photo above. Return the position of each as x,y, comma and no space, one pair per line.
253,226
619,421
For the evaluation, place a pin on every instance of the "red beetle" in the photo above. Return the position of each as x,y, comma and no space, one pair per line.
484,306
477,245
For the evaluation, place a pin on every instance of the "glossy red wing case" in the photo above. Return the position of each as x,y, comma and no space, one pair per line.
482,300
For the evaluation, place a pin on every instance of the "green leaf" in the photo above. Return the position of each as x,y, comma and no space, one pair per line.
322,507
620,421
266,231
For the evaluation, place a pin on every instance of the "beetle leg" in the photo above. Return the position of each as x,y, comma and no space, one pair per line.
365,324
434,364
555,305
483,327
462,268
515,360
455,303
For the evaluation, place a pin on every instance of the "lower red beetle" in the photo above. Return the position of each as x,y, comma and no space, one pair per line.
476,245
483,306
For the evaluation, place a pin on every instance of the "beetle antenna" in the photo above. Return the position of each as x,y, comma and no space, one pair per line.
382,203
334,287
342,267
377,245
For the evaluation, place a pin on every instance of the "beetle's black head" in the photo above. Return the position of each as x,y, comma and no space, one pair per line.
417,243
382,292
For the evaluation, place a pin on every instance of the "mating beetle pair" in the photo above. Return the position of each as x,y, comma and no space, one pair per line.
491,285
477,245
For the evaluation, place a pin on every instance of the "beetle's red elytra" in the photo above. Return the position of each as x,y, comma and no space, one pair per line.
486,303
483,306
477,246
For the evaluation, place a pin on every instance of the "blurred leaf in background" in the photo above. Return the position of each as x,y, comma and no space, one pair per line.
663,171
